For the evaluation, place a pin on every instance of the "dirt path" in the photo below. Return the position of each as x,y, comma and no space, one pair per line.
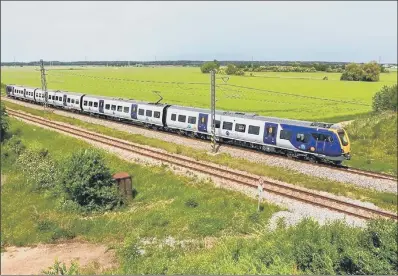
32,260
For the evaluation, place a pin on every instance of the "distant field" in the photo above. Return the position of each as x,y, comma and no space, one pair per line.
341,100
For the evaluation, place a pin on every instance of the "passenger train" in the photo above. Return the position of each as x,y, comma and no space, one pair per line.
313,141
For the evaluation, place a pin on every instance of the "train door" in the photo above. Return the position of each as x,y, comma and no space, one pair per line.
101,106
270,131
134,109
64,100
24,93
202,124
320,143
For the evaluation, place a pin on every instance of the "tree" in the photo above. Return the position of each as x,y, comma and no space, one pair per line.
88,182
352,72
365,72
231,69
371,71
386,99
3,122
217,63
208,66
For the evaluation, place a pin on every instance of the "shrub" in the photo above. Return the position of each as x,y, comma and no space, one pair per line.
385,99
3,122
61,269
38,167
87,181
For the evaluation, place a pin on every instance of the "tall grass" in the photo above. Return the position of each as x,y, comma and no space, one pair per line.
374,142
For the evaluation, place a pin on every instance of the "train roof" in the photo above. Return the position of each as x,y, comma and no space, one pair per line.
125,100
253,116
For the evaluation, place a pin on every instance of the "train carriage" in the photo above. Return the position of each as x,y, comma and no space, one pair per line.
117,108
29,94
91,104
19,92
73,100
149,114
39,96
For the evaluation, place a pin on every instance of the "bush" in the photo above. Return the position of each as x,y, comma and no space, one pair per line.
3,122
385,99
87,181
38,167
61,269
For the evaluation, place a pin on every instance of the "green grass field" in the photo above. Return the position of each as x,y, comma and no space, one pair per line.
346,100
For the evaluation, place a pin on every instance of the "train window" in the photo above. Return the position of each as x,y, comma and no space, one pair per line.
107,106
285,134
148,113
85,103
141,111
77,101
271,131
322,137
68,100
119,108
254,130
303,138
126,109
182,118
95,104
240,127
173,117
56,98
134,108
73,101
156,114
60,99
227,125
90,103
217,124
113,107
191,120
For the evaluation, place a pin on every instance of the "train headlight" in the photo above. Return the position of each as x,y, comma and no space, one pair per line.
312,149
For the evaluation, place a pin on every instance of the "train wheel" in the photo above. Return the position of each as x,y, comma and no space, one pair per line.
312,159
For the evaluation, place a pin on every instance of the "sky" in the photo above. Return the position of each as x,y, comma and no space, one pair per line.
142,31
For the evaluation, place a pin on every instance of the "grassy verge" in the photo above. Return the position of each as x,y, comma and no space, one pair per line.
381,199
160,208
374,142
231,237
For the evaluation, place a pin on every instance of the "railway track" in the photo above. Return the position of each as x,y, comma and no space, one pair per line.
242,178
347,169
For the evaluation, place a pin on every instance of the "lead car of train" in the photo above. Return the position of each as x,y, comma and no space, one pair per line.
313,141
